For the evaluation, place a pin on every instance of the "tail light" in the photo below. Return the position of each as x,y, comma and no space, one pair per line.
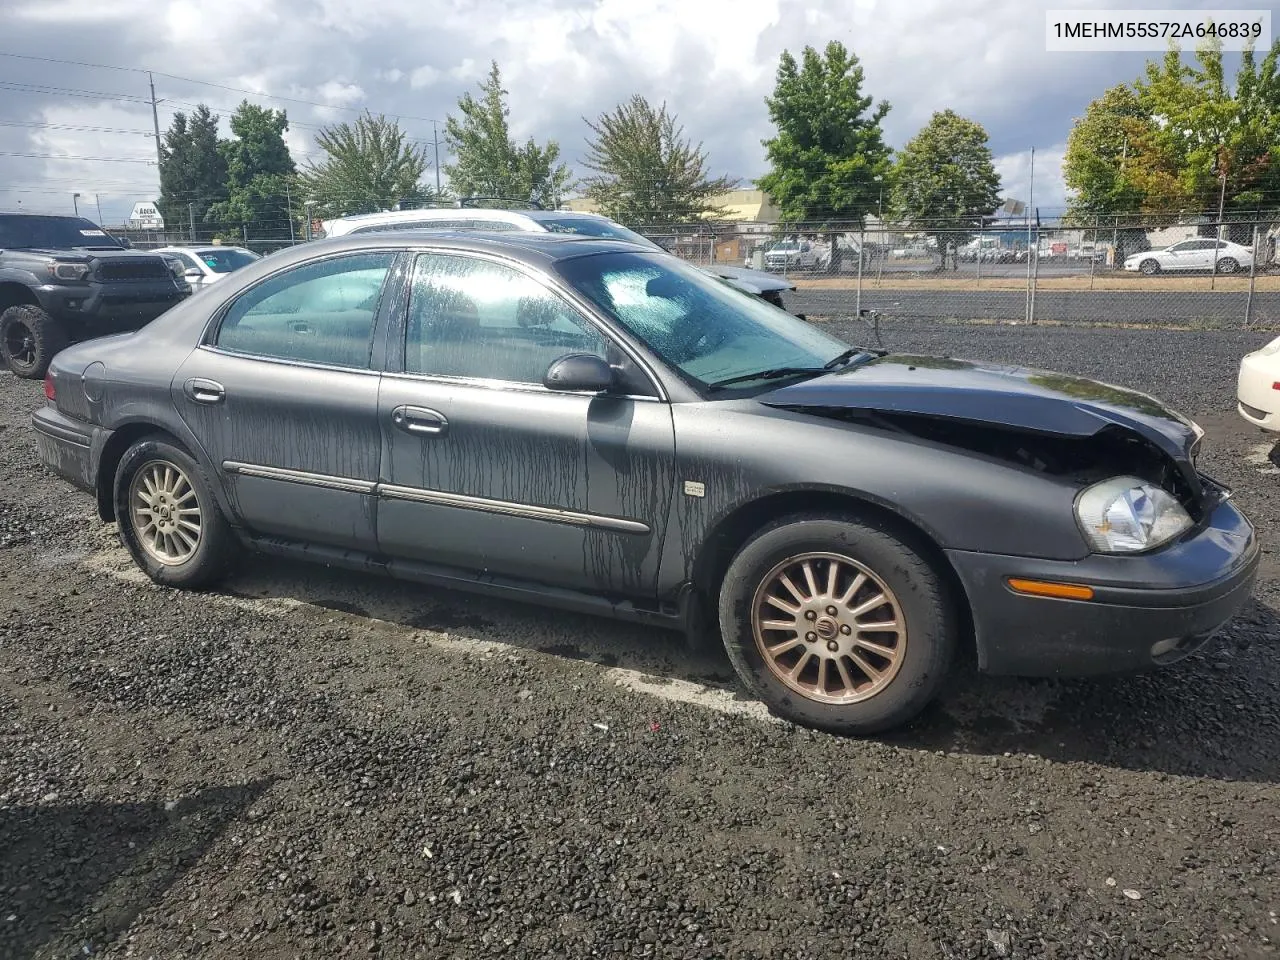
50,392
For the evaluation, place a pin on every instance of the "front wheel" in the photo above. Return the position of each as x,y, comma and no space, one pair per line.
1149,267
29,338
837,624
169,520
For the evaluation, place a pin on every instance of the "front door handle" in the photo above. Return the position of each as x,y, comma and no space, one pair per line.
420,420
204,391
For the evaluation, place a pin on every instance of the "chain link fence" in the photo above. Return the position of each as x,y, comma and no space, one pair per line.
1115,271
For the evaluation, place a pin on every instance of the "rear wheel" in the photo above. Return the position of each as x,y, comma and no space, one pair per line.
169,520
1228,265
29,339
1149,267
837,624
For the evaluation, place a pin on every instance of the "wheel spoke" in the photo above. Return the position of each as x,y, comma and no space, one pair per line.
778,649
809,579
887,652
844,676
800,665
790,626
782,604
833,572
792,588
871,672
854,587
822,673
872,626
866,606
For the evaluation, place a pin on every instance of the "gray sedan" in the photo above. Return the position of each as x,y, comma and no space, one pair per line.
585,423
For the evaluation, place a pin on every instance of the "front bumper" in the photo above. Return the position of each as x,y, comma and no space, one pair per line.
111,307
1147,610
70,448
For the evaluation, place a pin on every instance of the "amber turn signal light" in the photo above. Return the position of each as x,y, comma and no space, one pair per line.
1048,588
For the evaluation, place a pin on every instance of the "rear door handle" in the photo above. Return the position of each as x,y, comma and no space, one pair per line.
204,391
420,420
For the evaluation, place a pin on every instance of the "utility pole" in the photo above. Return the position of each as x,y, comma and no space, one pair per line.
1030,253
435,139
155,118
288,201
191,219
75,203
99,204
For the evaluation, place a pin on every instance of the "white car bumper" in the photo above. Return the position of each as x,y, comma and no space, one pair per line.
1258,387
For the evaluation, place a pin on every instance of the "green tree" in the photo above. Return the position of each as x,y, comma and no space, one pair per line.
1108,157
944,181
261,176
487,162
1180,139
193,172
369,165
828,158
647,172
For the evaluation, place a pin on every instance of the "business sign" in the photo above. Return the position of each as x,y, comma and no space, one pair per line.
145,216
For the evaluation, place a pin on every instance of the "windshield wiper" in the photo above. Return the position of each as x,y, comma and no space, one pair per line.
773,374
849,354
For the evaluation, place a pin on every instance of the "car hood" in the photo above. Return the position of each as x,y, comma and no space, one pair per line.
757,278
98,252
1037,400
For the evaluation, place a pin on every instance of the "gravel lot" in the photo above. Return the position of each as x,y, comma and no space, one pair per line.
312,764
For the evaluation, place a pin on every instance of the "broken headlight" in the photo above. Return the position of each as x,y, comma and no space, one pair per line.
1129,515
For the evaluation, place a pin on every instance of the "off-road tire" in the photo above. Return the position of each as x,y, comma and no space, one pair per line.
29,340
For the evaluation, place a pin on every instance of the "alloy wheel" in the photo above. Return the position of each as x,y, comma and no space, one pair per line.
829,628
165,512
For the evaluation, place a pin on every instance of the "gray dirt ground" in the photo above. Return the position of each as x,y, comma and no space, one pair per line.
309,764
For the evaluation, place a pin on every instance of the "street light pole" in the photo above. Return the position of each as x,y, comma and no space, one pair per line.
99,205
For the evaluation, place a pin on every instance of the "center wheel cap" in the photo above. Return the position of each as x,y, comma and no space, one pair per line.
827,628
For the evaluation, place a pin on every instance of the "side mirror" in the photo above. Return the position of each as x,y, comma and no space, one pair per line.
192,273
579,371
124,242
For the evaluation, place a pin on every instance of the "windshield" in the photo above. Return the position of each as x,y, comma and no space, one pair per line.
697,324
591,227
224,261
51,233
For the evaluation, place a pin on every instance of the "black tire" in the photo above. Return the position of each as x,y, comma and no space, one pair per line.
215,548
921,603
29,340
1228,265
1149,267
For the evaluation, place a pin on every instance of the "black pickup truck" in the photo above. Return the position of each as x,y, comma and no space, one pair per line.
64,279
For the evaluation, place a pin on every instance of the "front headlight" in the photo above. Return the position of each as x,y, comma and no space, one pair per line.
1128,515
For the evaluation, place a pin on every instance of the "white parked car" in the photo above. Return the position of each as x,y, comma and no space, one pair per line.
756,282
203,265
1258,387
1195,254
794,255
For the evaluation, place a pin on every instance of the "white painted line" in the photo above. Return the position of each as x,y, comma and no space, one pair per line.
685,691
1260,457
116,564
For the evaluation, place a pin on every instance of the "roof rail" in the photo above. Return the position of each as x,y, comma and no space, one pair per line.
473,201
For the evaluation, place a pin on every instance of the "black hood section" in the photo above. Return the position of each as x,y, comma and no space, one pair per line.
1036,400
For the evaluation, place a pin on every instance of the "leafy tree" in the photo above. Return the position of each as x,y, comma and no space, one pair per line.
369,165
193,172
828,158
1181,139
487,162
1102,167
647,171
261,175
945,181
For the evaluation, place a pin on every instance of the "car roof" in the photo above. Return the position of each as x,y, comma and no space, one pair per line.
427,213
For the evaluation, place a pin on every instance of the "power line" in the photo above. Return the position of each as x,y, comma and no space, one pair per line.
61,156
71,127
210,83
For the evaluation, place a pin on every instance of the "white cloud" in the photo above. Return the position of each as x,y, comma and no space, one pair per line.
713,62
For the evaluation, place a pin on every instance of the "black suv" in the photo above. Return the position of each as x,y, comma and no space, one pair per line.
64,279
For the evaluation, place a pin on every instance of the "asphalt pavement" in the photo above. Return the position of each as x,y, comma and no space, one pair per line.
312,764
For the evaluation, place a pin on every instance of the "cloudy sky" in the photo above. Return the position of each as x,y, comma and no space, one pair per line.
66,129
